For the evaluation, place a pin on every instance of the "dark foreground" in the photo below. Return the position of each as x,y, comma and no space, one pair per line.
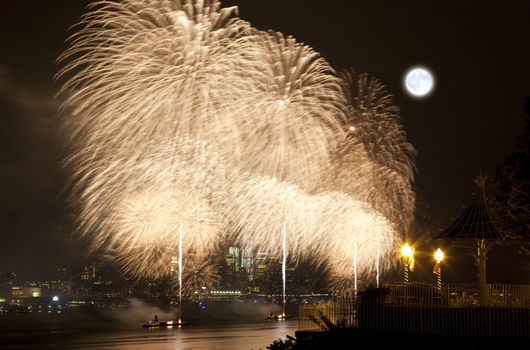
350,338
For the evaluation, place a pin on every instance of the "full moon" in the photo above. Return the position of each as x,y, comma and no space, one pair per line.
419,82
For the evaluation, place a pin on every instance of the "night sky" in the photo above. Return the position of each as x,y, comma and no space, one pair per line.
479,53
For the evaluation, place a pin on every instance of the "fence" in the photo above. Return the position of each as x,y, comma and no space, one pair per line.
340,313
422,309
497,295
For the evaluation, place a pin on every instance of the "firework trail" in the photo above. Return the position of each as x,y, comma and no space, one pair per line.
182,113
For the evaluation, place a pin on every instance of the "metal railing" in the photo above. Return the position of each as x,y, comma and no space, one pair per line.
459,295
422,309
341,313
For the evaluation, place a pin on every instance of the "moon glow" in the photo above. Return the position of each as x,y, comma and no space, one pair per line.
419,82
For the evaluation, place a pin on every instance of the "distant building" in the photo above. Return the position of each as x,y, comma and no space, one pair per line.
64,281
88,272
174,265
247,262
233,261
84,273
262,260
19,292
7,281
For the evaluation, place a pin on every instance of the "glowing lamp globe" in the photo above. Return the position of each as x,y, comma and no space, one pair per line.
406,251
439,255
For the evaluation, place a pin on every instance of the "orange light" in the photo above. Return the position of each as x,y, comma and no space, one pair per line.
407,251
439,255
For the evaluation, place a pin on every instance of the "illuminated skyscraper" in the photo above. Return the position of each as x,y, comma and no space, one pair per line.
85,273
261,264
174,265
247,262
233,259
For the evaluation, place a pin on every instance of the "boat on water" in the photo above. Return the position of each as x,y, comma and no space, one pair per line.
279,317
165,324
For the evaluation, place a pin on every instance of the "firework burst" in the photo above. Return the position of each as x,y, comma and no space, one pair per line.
376,151
132,208
296,108
183,115
200,275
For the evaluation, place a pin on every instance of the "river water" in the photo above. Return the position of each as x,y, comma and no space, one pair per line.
78,331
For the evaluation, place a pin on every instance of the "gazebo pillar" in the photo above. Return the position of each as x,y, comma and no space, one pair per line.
482,251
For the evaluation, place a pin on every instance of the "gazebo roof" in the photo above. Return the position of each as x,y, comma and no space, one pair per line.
476,222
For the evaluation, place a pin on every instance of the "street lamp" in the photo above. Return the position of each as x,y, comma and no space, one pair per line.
438,257
407,253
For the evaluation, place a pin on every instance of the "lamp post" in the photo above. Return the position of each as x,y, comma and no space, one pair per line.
407,253
438,257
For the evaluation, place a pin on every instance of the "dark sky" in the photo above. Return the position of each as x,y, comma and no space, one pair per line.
479,53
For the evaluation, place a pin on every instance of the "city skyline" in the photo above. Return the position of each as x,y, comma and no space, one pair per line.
241,274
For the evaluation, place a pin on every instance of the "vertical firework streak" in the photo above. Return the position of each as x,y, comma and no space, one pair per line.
355,285
180,273
284,263
183,115
377,272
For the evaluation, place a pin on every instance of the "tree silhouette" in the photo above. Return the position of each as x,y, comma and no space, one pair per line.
513,187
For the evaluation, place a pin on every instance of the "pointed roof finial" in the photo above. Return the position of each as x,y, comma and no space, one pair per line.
480,181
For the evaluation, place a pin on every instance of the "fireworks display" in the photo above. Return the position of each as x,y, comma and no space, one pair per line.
183,115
